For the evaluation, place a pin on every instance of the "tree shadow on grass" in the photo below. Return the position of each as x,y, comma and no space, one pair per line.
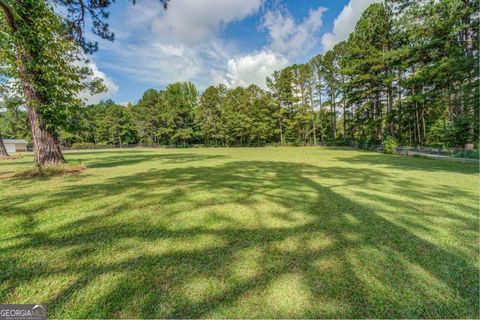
411,163
116,160
254,239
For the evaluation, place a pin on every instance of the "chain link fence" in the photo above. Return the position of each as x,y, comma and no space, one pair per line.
438,153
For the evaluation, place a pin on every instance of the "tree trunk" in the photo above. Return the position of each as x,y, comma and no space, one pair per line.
46,147
344,119
409,133
320,116
423,125
3,150
417,124
334,119
468,113
314,131
391,127
281,131
381,117
378,119
45,144
400,109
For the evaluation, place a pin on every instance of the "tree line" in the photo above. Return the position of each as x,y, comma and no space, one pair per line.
409,72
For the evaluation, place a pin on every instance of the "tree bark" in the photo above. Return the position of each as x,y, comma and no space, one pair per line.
468,103
45,143
281,130
417,124
46,147
391,127
3,150
378,118
344,119
400,109
320,114
334,119
313,119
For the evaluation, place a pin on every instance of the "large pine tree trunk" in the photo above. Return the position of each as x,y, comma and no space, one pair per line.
400,110
46,148
469,110
281,131
391,126
334,119
3,150
344,119
313,119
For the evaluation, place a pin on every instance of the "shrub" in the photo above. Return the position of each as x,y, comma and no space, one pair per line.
82,145
389,145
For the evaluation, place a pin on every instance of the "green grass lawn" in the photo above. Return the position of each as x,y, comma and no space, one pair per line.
260,232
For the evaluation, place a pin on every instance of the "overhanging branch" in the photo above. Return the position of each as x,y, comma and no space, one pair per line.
9,15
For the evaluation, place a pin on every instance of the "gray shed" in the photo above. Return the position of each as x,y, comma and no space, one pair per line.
15,145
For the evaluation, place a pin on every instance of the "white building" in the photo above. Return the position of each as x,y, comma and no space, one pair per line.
15,145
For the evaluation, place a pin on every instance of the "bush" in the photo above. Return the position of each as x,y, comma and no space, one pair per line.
82,145
389,145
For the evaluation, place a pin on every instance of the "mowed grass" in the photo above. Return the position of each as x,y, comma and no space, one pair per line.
250,233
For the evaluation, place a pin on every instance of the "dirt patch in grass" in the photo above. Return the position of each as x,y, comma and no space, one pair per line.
49,171
9,158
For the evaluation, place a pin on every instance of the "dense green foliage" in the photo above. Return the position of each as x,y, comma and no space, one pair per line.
178,116
243,233
389,145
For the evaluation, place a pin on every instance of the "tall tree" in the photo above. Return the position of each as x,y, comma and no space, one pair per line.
40,50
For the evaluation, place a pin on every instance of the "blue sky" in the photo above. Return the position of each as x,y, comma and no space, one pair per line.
235,42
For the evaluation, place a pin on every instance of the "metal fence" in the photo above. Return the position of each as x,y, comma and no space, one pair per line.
438,153
111,146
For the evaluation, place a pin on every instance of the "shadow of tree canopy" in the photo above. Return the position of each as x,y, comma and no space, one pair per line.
411,163
115,159
250,239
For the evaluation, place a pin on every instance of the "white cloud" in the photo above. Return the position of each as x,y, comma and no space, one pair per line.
345,22
191,21
252,68
111,86
289,37
183,43
179,44
287,40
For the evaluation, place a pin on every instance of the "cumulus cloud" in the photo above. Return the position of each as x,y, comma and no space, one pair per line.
289,37
111,86
179,44
184,43
345,22
252,68
191,21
